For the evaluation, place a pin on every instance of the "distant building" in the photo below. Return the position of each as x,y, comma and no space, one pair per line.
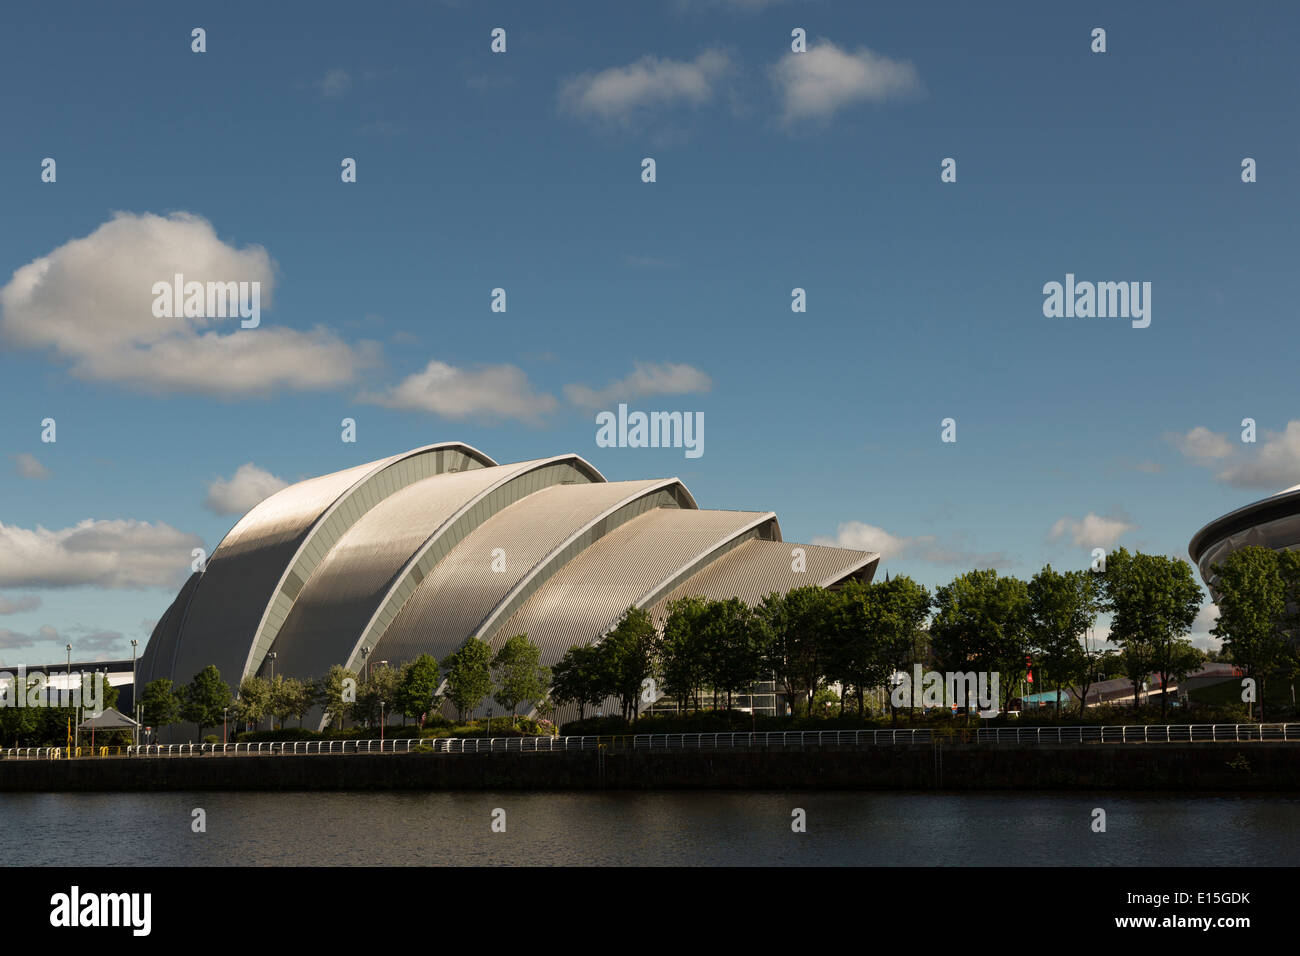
1273,522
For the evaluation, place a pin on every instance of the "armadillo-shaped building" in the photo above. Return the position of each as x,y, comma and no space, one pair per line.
422,551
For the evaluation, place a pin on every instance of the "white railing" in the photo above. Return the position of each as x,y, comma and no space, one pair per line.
797,740
1142,734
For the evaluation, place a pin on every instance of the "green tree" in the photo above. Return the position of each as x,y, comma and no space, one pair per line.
626,657
683,654
734,657
519,674
1153,600
1062,606
287,697
336,694
797,627
1253,621
205,699
160,705
416,696
469,676
898,608
981,622
576,679
254,700
377,695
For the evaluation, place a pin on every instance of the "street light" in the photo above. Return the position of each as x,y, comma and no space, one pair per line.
381,725
224,712
365,652
135,696
271,658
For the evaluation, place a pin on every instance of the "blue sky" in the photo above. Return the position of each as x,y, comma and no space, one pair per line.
522,170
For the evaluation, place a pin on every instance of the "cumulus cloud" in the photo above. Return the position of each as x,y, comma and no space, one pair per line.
89,304
335,83
489,391
28,467
237,494
825,79
1272,463
619,93
1206,618
1202,445
646,378
19,605
861,536
118,553
1090,531
13,639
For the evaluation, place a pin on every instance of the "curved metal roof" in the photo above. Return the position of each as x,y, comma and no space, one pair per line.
158,657
757,568
634,565
1284,504
246,571
360,585
512,553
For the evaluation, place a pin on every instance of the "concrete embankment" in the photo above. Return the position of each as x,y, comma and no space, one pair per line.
1204,767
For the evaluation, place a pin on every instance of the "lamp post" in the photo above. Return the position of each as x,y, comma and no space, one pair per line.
224,712
365,653
381,725
135,696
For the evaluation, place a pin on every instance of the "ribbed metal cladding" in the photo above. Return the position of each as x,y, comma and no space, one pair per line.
452,602
378,562
757,568
243,576
156,661
629,566
396,473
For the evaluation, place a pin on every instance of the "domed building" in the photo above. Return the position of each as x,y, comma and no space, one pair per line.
1272,523
419,552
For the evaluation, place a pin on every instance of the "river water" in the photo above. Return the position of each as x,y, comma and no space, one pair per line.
657,829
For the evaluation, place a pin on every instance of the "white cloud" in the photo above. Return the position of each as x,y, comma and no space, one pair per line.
490,391
646,378
1090,531
90,304
860,536
13,639
1206,618
28,467
1273,463
1202,445
19,605
117,553
619,92
824,79
335,83
239,493
1149,467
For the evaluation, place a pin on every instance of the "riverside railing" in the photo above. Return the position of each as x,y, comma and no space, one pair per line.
786,740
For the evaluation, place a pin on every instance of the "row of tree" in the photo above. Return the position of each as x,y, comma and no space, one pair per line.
856,636
860,634
513,676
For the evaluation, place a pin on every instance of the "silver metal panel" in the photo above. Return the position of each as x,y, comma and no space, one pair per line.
156,660
359,579
249,567
463,590
757,568
627,567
